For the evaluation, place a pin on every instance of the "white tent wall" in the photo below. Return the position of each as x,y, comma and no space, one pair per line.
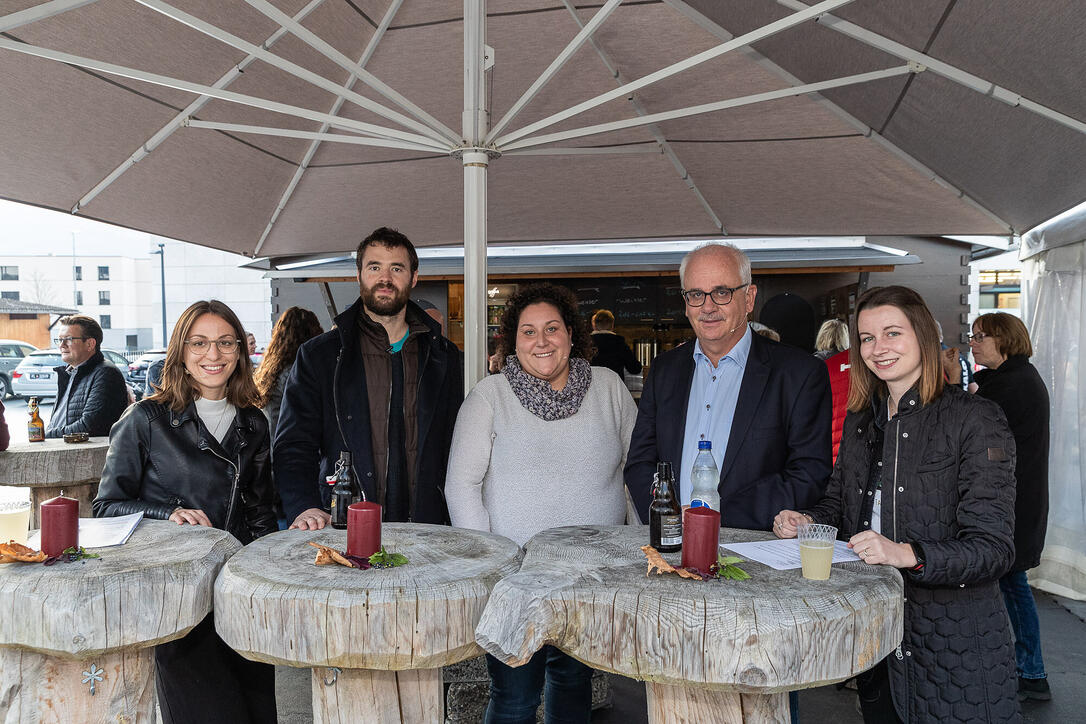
1054,301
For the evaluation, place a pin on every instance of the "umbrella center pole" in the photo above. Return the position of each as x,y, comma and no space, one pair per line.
475,168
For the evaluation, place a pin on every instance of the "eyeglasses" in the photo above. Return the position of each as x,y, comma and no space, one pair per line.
719,295
979,337
200,347
61,341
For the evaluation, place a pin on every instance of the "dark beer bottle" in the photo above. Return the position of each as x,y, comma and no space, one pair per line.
665,513
345,491
35,428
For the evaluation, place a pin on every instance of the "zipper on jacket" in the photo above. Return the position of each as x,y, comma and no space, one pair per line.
893,504
234,485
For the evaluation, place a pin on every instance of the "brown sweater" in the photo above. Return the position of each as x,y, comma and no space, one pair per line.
377,362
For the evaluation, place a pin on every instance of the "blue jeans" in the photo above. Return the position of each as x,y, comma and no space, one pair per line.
515,692
1018,597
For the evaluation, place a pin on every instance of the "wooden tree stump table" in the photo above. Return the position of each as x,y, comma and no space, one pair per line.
376,639
714,651
52,466
76,639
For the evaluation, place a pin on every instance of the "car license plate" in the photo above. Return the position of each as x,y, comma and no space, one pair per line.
39,376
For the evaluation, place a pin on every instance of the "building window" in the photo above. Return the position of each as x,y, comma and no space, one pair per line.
103,299
107,322
79,299
131,342
103,273
1000,289
79,273
10,295
9,273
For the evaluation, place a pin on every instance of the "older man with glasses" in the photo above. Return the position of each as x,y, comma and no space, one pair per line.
91,393
764,406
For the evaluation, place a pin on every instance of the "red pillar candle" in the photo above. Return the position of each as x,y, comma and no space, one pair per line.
701,538
59,525
363,529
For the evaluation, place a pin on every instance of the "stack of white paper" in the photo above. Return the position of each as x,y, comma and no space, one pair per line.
98,532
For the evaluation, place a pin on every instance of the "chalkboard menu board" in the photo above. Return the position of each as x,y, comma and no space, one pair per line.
592,295
635,301
669,304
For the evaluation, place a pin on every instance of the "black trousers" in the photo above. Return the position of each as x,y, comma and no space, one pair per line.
200,679
876,702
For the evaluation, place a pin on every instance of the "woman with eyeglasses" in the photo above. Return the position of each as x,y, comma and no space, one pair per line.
1000,342
924,483
196,453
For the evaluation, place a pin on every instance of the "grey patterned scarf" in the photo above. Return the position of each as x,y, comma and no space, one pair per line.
538,398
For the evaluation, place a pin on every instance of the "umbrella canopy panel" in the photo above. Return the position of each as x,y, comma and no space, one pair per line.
250,126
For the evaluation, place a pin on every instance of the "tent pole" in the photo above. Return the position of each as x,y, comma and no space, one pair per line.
475,160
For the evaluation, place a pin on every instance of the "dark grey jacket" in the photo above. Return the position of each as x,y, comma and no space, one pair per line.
325,410
97,397
948,488
160,460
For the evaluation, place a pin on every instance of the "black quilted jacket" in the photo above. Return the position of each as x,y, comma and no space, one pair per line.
948,488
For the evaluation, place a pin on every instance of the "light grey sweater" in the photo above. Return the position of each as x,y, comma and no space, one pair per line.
515,474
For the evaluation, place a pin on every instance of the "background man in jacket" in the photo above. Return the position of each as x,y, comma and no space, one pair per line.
384,385
612,351
765,406
91,393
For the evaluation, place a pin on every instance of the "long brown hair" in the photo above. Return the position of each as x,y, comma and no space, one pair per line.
864,385
295,326
177,389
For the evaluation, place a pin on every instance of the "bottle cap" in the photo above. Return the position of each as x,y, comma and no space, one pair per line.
705,444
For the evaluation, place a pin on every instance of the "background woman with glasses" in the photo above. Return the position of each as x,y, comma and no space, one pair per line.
196,452
1001,343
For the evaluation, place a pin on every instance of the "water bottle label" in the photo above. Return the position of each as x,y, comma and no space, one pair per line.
695,503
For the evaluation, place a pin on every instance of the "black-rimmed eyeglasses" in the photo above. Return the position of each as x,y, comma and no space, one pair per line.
200,347
719,295
979,337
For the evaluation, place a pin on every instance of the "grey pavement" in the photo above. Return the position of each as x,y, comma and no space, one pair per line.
1063,635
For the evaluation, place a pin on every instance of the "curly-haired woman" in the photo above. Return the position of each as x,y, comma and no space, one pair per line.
538,446
295,326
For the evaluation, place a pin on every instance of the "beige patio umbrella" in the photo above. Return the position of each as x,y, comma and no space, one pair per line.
288,127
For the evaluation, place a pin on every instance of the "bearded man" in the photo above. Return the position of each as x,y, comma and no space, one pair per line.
384,385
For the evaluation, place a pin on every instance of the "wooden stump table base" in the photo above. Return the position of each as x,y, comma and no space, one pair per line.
345,696
83,492
48,689
690,705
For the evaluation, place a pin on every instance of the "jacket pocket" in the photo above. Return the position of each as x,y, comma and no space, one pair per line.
938,465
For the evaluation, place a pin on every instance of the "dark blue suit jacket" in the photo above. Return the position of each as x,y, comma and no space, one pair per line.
778,454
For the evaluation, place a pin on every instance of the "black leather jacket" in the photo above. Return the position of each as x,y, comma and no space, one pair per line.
160,460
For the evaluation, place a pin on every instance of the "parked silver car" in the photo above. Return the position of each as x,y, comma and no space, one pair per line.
34,377
12,352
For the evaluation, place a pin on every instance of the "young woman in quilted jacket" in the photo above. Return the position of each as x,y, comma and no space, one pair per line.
924,482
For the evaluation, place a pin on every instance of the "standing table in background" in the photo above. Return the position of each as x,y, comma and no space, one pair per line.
375,639
52,466
714,651
76,639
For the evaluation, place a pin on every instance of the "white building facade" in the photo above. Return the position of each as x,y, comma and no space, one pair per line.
124,292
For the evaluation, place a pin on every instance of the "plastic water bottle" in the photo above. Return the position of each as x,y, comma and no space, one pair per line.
705,478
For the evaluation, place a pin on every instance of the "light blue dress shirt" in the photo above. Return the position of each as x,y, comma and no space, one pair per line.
714,392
